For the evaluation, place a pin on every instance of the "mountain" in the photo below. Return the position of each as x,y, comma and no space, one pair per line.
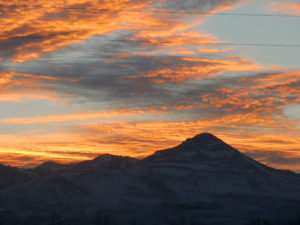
50,167
107,161
10,176
203,180
202,146
222,168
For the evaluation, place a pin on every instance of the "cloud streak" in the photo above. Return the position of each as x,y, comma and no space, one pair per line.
45,27
136,76
198,68
286,7
80,116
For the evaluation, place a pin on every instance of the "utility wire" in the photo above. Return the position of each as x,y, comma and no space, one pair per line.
163,12
164,42
209,13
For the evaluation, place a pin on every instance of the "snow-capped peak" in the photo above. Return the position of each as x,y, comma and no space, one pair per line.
207,144
203,138
202,145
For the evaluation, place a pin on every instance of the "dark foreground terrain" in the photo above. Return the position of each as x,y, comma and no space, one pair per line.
201,181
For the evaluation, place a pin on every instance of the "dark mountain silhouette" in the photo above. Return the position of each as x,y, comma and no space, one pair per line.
201,181
107,161
11,176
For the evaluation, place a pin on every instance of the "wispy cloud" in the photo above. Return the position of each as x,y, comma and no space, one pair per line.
46,26
138,76
286,7
15,86
183,68
81,116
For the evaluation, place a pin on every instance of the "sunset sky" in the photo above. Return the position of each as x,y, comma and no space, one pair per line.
83,77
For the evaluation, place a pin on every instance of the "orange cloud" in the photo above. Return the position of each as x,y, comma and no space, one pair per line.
250,117
174,36
79,116
286,7
247,113
15,86
39,26
213,50
35,147
47,26
32,159
142,138
246,131
21,94
202,68
267,93
6,77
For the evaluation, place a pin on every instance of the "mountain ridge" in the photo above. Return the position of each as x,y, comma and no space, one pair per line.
203,180
198,139
205,155
205,138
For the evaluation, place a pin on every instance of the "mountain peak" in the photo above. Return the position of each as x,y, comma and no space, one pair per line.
204,141
108,161
207,144
203,137
204,145
106,157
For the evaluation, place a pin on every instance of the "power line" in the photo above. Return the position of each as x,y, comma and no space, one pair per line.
208,13
170,12
261,44
164,42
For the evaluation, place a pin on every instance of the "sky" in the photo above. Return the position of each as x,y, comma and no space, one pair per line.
79,78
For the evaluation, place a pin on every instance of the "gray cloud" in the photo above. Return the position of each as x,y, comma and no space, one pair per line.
275,157
34,37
